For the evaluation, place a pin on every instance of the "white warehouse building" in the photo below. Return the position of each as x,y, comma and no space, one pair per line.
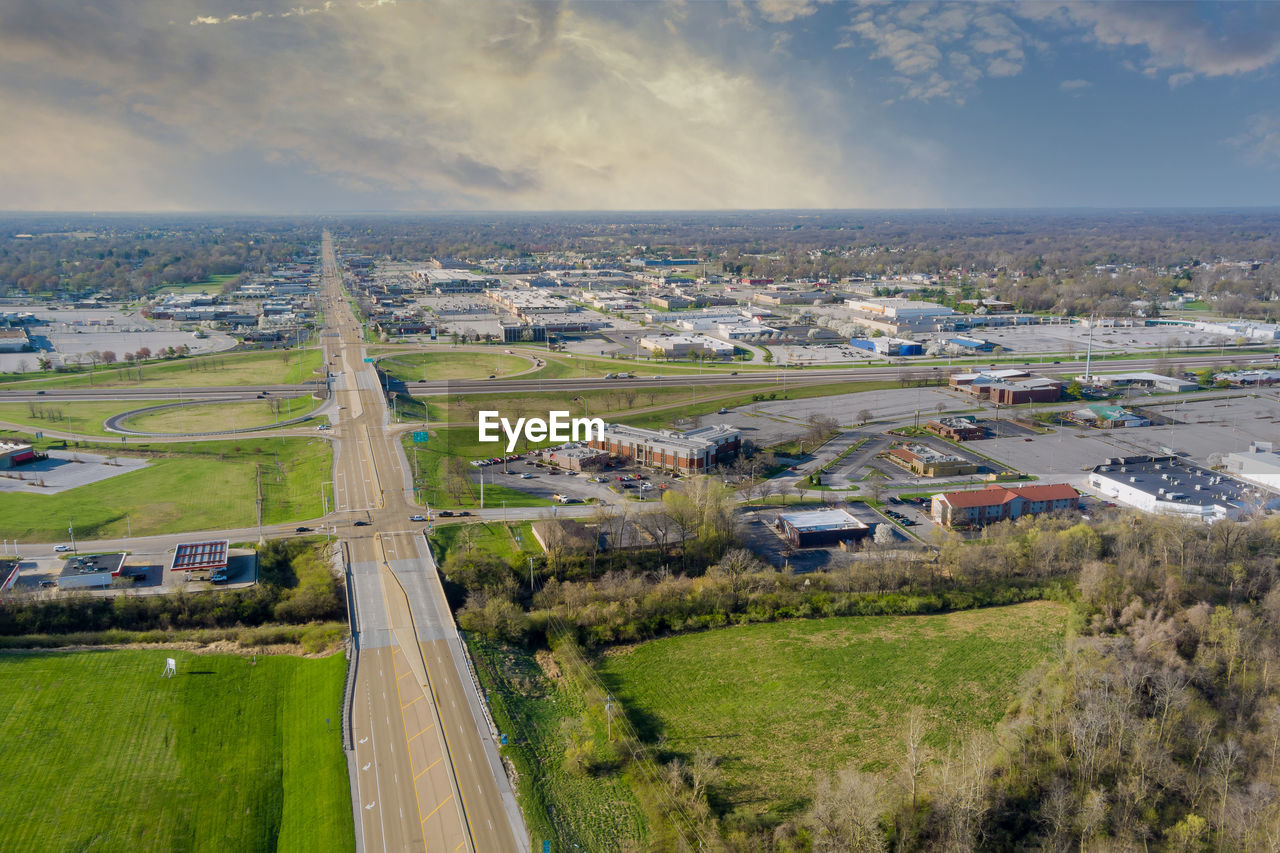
1169,485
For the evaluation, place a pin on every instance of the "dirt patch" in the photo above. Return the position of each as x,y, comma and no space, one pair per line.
549,665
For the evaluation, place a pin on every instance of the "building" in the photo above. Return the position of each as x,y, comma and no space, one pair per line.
1169,485
692,451
999,503
1259,464
924,461
1108,417
965,342
452,281
202,558
14,340
580,458
681,345
1139,380
888,346
961,428
92,571
821,527
517,333
1249,377
13,454
907,312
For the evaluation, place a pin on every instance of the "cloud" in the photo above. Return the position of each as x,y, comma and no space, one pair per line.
783,11
1182,78
416,105
1211,40
1074,85
1259,144
976,40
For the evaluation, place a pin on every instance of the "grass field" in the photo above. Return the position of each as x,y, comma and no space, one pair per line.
188,486
78,418
462,364
212,284
274,367
440,489
208,417
780,702
491,536
101,753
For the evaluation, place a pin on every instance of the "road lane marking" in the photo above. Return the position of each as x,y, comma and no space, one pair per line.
411,701
429,766
424,731
437,808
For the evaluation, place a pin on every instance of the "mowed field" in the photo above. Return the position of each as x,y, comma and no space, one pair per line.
273,367
782,702
191,486
210,417
75,417
102,754
452,364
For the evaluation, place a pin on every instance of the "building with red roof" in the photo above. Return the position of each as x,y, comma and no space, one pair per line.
978,507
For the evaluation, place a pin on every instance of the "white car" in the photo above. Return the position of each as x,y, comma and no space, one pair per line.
417,518
61,548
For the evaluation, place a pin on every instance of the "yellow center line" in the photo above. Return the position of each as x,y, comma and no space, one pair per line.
437,808
429,766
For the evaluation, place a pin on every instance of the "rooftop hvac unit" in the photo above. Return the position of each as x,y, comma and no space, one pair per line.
1158,466
1199,488
1159,491
1133,479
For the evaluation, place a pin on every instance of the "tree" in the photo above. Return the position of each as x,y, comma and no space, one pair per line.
845,816
864,416
108,356
44,362
735,567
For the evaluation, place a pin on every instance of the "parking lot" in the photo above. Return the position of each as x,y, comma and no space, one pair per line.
65,469
534,475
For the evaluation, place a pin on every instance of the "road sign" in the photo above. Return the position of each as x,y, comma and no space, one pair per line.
39,436
421,436
368,360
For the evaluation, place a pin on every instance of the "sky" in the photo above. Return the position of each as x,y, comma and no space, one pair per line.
398,105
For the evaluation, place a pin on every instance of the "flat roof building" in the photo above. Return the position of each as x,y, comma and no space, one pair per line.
821,527
994,503
1259,464
91,571
959,428
1170,485
14,453
580,458
678,345
924,461
692,451
1108,417
1139,380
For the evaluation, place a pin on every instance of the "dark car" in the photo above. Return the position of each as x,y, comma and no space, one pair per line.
48,584
302,530
463,512
445,513
361,524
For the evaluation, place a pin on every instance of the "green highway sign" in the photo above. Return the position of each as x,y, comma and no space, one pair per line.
368,360
421,437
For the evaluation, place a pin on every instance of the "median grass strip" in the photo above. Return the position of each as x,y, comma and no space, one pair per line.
449,364
779,703
187,486
101,753
273,367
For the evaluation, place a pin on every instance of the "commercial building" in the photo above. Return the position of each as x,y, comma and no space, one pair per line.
692,451
91,572
681,345
453,281
821,527
924,461
517,333
903,311
965,342
1169,485
580,458
1139,380
999,503
1259,464
1249,377
13,454
202,558
14,340
960,428
1108,417
888,346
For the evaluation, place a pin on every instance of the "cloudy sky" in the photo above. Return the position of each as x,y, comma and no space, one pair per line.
294,106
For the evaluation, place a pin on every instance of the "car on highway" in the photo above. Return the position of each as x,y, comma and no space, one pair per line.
361,524
61,548
445,513
302,530
417,518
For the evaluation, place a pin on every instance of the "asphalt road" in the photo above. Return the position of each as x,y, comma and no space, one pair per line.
426,766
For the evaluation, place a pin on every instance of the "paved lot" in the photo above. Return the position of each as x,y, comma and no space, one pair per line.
1073,338
65,469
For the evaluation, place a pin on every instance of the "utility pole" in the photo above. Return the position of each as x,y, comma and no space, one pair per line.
71,531
531,575
257,467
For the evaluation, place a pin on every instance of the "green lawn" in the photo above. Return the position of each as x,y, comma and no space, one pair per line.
452,364
440,489
187,486
274,367
209,417
781,702
102,754
212,285
78,418
491,536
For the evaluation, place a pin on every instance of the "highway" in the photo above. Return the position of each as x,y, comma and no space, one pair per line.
427,771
